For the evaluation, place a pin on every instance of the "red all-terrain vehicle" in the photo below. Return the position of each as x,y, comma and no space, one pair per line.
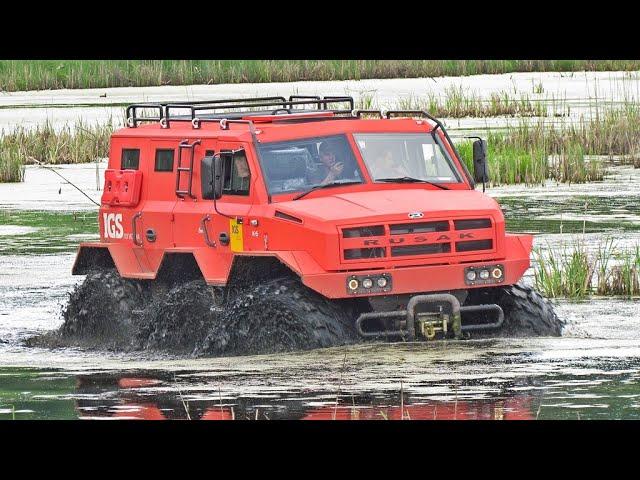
327,220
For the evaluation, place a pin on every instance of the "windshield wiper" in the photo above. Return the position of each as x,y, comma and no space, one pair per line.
326,185
410,180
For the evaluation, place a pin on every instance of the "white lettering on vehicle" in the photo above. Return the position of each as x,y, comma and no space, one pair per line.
113,225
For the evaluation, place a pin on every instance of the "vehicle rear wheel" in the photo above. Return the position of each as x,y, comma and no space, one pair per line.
99,311
526,312
279,315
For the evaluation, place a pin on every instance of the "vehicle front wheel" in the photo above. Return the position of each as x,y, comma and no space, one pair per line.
526,312
276,316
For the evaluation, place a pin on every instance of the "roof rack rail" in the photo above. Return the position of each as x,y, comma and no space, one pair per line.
209,110
360,113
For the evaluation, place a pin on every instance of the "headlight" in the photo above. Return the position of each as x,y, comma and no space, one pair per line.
367,283
382,282
484,275
353,284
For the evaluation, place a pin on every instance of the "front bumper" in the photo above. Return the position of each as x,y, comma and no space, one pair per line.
428,278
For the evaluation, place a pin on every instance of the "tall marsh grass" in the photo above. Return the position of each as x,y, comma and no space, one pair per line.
458,103
77,143
16,75
11,164
530,153
522,156
575,273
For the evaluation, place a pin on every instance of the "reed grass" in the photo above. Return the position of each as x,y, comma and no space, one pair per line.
17,75
457,103
512,159
530,153
11,164
77,143
575,273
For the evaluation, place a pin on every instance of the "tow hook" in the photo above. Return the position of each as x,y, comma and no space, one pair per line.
429,328
443,315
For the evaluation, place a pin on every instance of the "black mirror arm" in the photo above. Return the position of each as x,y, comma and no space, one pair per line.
484,166
453,147
215,195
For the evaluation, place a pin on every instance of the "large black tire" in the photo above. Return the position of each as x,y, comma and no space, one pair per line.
276,316
99,311
526,312
179,317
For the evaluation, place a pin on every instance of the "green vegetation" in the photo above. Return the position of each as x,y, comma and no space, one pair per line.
576,273
526,154
531,153
457,103
11,164
78,143
16,75
51,231
27,394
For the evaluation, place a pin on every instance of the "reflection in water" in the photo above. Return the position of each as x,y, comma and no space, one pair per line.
509,387
108,396
516,408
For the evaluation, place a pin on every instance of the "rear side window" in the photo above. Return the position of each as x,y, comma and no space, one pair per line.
164,160
130,159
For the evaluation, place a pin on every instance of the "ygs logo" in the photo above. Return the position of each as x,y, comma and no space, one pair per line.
113,225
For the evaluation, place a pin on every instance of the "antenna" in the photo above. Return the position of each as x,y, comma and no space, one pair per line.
65,179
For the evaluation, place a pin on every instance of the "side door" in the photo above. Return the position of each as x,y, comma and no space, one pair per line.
155,224
201,224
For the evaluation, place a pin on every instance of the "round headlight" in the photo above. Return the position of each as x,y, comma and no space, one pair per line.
484,274
353,284
382,282
471,275
367,283
496,272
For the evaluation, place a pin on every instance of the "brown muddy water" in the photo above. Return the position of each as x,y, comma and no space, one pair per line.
591,372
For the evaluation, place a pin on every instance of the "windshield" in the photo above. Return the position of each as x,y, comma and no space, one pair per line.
299,165
406,155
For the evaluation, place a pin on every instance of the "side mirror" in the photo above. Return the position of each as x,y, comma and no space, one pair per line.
480,169
211,177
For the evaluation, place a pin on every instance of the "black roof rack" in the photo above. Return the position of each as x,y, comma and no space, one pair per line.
216,110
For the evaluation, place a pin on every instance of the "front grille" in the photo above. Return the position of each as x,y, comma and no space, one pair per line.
423,227
471,245
370,231
471,224
427,249
359,253
410,239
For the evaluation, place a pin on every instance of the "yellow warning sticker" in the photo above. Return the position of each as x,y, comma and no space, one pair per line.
237,244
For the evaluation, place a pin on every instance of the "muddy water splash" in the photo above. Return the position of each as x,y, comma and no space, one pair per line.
107,312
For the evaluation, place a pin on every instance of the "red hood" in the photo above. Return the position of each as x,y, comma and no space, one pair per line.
392,205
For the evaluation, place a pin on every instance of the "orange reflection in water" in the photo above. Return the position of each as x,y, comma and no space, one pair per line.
513,408
516,408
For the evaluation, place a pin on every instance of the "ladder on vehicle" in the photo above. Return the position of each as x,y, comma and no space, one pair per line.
185,145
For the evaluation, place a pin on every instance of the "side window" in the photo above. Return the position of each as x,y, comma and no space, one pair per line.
130,159
237,176
164,160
